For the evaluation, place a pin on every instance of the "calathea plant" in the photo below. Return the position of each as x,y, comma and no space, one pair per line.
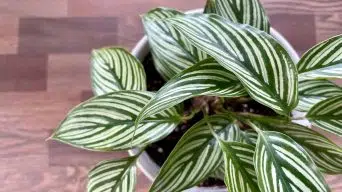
226,54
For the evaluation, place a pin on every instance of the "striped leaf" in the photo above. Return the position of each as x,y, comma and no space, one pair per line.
248,12
106,122
195,156
327,115
205,78
283,165
249,137
314,91
326,155
259,62
172,53
115,69
210,7
239,167
323,60
113,175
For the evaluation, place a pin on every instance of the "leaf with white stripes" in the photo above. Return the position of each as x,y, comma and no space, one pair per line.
249,12
115,69
239,168
172,53
323,61
259,61
249,137
283,165
314,91
113,175
106,122
195,156
210,7
326,154
205,78
327,115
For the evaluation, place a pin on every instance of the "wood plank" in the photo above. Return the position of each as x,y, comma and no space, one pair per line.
23,73
65,35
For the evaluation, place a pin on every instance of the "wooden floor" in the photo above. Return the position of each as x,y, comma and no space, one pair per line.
44,71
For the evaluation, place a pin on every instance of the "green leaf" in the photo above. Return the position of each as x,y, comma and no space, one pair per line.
314,91
113,175
259,62
327,115
249,137
326,154
210,7
239,167
283,165
172,53
195,156
106,123
322,61
248,12
115,69
205,78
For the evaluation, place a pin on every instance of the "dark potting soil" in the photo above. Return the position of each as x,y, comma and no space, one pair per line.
159,151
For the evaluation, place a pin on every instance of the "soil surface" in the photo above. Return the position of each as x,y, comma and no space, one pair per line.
160,150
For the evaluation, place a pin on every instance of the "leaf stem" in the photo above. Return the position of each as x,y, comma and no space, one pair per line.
190,116
211,127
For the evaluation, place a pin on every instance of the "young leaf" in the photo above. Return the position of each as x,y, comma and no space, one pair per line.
113,175
259,62
172,53
239,168
195,156
327,115
314,91
326,154
283,165
106,122
210,7
248,12
323,60
205,78
115,69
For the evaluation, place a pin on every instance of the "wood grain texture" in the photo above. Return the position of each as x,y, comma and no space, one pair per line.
44,72
66,35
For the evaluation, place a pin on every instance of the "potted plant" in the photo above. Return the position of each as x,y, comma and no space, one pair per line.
221,87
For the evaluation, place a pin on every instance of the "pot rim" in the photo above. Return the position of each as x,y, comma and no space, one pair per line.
145,163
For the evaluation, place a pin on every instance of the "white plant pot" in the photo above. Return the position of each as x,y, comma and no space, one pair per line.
145,163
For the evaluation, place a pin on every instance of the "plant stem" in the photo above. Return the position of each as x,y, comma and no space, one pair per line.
190,116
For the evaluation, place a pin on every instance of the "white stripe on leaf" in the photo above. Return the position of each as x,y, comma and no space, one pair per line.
327,114
292,169
259,62
113,175
115,69
171,52
106,122
323,60
196,155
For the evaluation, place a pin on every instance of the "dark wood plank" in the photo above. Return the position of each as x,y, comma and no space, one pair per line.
23,72
66,35
298,29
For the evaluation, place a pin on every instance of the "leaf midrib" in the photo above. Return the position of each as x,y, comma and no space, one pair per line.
124,173
275,162
242,169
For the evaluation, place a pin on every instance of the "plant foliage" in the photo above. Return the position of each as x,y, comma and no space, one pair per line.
221,58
